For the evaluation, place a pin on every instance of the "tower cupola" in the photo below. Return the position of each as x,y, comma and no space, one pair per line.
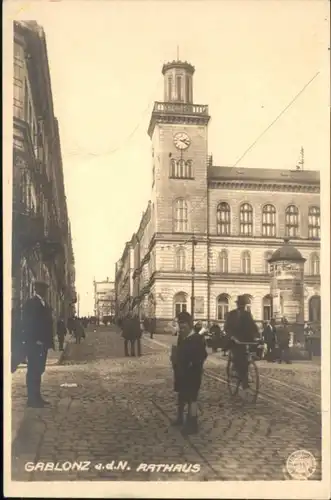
178,82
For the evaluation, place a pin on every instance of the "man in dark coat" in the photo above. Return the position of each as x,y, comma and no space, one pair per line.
37,325
188,357
61,332
216,336
137,332
240,325
128,335
283,341
269,337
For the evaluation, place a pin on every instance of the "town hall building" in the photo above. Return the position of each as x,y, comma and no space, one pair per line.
225,222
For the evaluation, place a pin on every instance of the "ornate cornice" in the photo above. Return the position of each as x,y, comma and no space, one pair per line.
260,241
264,186
178,64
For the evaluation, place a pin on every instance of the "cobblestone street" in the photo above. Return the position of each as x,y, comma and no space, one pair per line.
120,409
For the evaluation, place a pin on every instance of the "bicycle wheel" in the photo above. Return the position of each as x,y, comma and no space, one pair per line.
253,381
232,378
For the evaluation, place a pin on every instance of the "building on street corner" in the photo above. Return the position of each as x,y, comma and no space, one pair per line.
41,234
238,217
104,299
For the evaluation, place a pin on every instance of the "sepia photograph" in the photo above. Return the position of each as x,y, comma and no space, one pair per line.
167,249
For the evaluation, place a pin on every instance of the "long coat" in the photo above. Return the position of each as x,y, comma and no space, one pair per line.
240,324
188,359
37,323
128,329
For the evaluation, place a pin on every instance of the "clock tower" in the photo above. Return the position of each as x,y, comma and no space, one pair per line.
179,133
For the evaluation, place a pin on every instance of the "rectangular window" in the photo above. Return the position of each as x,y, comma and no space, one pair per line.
179,88
187,88
169,88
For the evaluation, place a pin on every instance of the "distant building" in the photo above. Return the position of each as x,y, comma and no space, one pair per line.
41,235
239,217
104,299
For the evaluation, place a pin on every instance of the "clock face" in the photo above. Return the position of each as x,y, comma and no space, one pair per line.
182,140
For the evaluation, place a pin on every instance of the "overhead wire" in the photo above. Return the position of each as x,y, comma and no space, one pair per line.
255,142
127,139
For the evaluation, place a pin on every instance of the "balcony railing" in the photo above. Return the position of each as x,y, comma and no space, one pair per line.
180,108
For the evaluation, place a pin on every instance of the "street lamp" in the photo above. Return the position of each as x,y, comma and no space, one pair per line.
194,243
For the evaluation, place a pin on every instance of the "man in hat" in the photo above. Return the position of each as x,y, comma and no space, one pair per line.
37,325
283,341
188,358
240,325
128,333
269,337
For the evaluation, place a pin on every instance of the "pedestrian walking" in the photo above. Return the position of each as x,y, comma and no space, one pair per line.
61,332
188,355
216,336
37,324
137,332
283,340
269,338
79,331
128,334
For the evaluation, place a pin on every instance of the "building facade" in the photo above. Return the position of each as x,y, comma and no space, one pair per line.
237,217
41,235
104,299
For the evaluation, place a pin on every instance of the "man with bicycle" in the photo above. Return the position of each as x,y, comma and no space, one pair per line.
240,326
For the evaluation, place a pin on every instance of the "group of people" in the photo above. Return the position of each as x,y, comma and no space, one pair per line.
132,329
33,336
277,341
189,354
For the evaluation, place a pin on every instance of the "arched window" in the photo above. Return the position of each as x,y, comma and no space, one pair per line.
314,224
291,221
223,219
314,264
222,306
180,303
181,216
267,307
315,309
269,221
223,262
266,268
246,220
180,259
246,262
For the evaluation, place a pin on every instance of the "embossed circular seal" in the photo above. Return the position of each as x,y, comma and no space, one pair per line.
301,464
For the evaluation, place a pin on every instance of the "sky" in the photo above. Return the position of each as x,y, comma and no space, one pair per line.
251,58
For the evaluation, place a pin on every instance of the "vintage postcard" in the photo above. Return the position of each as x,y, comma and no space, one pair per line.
167,249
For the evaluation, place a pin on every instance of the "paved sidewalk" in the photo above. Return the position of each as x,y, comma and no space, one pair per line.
18,380
116,408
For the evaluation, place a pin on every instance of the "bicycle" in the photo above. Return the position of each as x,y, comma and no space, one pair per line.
233,379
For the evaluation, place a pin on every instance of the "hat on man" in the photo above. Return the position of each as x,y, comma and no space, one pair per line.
184,317
242,300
